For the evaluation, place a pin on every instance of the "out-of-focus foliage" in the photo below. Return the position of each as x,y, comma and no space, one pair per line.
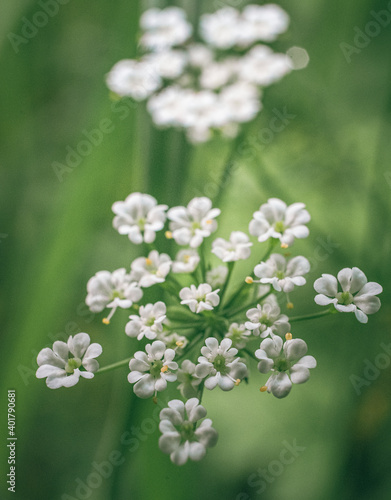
333,154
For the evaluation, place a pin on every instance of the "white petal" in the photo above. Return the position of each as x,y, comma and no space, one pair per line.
327,285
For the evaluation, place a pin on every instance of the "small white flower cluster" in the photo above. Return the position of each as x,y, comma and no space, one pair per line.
203,333
204,87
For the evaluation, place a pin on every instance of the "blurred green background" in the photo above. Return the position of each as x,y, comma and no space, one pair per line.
334,155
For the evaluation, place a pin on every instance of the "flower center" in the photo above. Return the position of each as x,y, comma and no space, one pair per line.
187,431
264,320
219,364
117,295
141,223
72,364
281,364
345,298
156,368
195,225
279,227
150,321
280,275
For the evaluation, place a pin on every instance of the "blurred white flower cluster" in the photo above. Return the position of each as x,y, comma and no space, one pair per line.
210,85
197,328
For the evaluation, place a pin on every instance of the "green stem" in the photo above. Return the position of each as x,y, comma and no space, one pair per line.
225,286
202,262
108,368
310,316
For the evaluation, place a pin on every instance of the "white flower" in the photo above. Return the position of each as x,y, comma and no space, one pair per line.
186,261
189,381
169,107
181,438
112,290
222,28
133,79
67,362
242,100
357,294
173,340
150,370
237,248
148,323
283,275
218,73
238,335
217,276
205,111
263,23
199,299
219,364
266,319
139,217
168,64
199,55
275,220
152,269
191,224
164,28
261,66
288,364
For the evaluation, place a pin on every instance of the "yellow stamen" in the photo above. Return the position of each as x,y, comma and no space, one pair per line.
288,336
209,221
290,305
148,261
263,388
168,235
249,280
179,343
186,258
284,245
164,369
237,381
106,321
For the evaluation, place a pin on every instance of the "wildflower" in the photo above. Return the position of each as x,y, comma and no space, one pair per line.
136,79
200,298
283,275
191,224
139,217
261,66
67,362
237,248
112,290
275,220
217,276
168,64
181,438
164,28
152,269
219,364
151,370
357,294
148,323
188,379
186,261
266,319
239,335
288,364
